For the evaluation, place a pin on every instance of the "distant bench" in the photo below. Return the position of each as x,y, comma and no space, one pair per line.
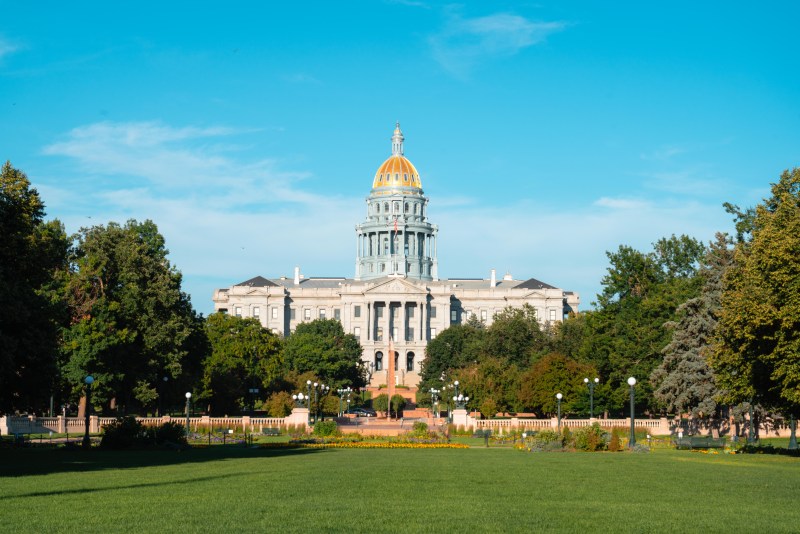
699,442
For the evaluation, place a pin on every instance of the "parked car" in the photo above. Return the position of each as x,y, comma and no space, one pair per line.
362,412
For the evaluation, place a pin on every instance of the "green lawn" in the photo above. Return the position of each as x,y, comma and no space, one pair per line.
399,490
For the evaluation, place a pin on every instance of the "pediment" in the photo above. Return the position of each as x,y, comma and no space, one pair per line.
395,286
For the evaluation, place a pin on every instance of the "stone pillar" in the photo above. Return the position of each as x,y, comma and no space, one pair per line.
403,330
298,417
422,329
369,321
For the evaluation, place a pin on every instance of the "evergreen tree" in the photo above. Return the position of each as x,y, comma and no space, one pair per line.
684,382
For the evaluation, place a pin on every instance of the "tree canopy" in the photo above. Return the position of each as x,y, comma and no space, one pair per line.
757,346
323,348
32,261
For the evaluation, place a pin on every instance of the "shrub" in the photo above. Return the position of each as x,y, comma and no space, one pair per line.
614,444
420,429
123,433
591,438
170,433
547,440
398,401
326,428
279,404
381,403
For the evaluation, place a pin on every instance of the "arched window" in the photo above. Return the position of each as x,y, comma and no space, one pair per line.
377,208
416,208
410,362
386,207
396,359
406,207
378,361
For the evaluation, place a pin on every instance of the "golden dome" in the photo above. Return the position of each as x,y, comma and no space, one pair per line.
397,171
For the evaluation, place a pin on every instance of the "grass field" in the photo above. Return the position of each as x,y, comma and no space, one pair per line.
400,490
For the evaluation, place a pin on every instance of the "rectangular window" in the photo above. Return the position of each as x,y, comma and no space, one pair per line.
378,312
433,312
357,332
410,310
238,311
307,314
394,333
484,315
356,311
275,312
322,314
395,312
552,315
337,314
433,333
256,312
379,334
410,334
292,314
453,316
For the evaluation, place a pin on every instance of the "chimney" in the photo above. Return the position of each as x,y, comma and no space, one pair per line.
493,282
297,276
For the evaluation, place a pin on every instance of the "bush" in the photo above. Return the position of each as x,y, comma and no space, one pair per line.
326,428
398,401
420,429
279,404
591,438
170,433
123,433
614,444
547,440
381,403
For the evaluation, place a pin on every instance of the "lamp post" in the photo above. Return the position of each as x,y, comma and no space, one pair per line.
591,384
89,380
632,441
308,397
188,411
559,396
435,402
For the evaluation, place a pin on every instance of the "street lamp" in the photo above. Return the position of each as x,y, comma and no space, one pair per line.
559,396
632,441
188,410
435,402
591,384
88,380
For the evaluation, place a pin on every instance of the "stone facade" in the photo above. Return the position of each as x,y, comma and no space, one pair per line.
396,290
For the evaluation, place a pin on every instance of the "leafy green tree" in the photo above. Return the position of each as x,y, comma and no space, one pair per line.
641,292
683,381
757,347
454,348
554,373
244,355
491,384
322,347
130,323
381,403
398,401
515,336
33,259
279,404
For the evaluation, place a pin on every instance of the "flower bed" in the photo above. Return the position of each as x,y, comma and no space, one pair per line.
361,445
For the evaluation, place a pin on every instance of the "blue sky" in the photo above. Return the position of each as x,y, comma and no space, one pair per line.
545,133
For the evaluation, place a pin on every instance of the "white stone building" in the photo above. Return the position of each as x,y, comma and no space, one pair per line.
396,290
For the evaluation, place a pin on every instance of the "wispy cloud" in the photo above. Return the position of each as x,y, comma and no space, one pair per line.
224,218
464,42
7,47
663,153
621,203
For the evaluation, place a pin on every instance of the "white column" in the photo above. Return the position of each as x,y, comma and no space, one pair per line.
404,318
422,321
369,321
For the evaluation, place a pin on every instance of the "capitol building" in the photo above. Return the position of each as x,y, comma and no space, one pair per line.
396,290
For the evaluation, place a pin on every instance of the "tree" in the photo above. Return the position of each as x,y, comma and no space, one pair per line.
454,348
32,263
757,347
683,381
322,347
491,384
554,373
514,335
130,323
244,355
641,292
